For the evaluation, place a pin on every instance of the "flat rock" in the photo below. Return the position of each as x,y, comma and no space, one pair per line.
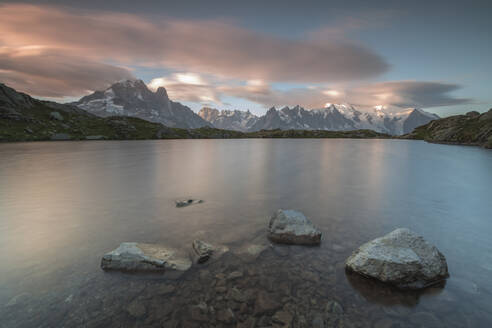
188,202
401,258
292,227
131,256
136,309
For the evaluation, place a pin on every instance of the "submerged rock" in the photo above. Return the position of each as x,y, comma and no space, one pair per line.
401,258
132,256
292,227
188,202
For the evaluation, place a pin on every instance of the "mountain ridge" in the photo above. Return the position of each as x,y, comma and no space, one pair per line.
133,98
332,118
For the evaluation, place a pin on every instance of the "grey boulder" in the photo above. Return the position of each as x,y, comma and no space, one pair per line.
401,258
292,227
132,256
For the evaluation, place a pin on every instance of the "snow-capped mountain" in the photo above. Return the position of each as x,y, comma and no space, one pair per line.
133,98
333,117
229,119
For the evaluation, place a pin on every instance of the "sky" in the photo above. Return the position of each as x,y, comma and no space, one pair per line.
251,55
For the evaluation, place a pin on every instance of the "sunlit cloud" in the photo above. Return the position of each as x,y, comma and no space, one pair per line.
187,87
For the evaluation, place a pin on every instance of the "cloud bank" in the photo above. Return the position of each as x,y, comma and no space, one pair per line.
393,95
211,47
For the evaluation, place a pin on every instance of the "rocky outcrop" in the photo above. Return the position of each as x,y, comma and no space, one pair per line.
472,129
292,227
400,258
131,256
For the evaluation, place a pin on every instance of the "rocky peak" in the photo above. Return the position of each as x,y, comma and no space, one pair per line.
11,98
208,114
162,93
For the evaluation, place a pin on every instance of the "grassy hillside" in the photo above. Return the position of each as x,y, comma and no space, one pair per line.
470,129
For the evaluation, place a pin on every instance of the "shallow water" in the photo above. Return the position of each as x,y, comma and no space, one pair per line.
64,204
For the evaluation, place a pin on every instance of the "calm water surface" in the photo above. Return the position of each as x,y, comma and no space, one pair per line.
64,204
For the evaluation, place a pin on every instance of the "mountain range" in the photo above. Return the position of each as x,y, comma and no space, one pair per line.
23,118
332,118
133,98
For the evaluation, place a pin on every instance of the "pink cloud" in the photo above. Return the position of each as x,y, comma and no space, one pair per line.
211,47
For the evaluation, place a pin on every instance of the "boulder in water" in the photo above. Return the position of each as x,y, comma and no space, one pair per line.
401,258
292,227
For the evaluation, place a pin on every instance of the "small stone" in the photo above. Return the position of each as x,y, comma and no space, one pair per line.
236,295
165,289
199,312
221,289
318,321
283,317
334,307
234,275
248,323
136,309
226,316
265,303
